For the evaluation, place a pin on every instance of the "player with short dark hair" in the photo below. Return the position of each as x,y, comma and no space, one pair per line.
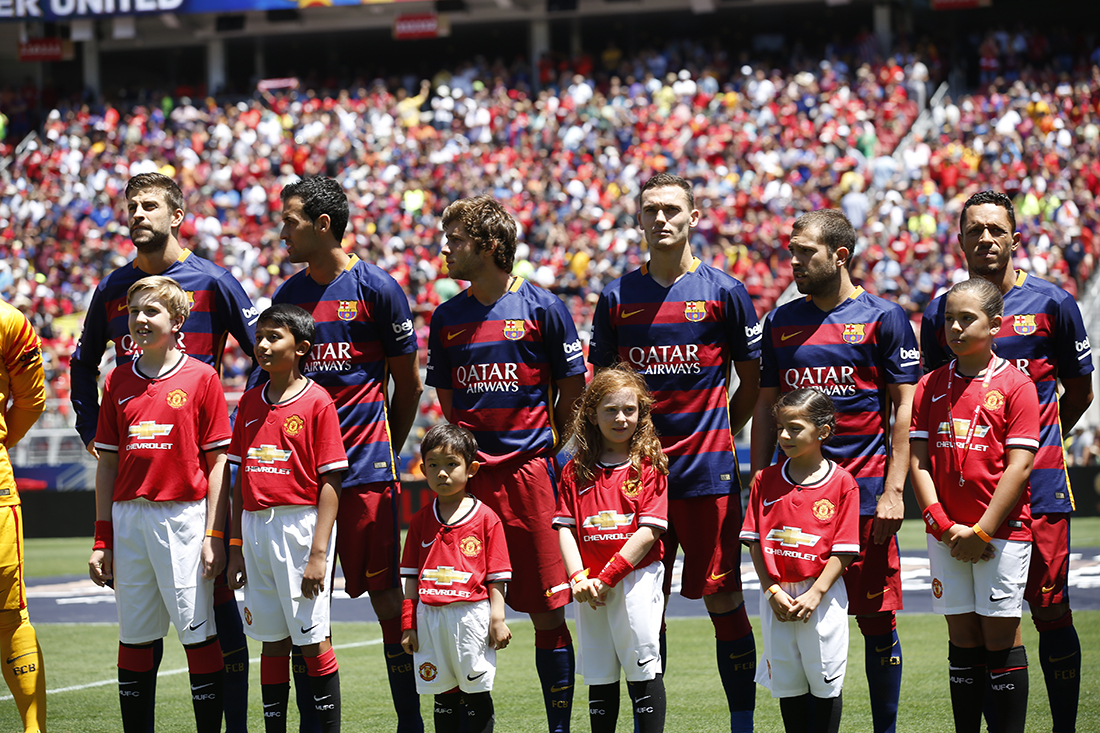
364,339
684,325
218,307
507,364
1044,336
860,351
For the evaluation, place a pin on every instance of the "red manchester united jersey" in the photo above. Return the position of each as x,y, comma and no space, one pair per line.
457,561
283,449
800,526
160,427
1007,416
611,508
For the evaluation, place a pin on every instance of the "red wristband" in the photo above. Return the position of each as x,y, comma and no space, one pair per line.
408,615
615,570
104,535
936,521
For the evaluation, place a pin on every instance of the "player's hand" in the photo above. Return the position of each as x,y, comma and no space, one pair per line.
600,589
499,633
234,569
410,642
313,580
990,553
213,557
782,605
92,450
584,591
968,547
803,606
101,567
889,511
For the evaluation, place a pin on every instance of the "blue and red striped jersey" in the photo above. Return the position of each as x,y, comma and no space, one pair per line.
684,340
362,319
219,306
502,362
851,353
1043,335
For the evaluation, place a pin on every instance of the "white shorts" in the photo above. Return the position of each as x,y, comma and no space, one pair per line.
277,543
454,648
624,633
805,657
158,571
993,588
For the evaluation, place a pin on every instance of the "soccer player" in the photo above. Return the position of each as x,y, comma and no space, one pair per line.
218,306
22,381
160,487
1043,336
290,453
364,338
861,351
682,325
456,560
506,362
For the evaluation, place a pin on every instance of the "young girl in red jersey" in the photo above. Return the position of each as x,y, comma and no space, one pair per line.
612,508
802,528
973,440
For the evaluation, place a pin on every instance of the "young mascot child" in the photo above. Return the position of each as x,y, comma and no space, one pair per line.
456,561
160,487
974,436
612,508
802,528
290,453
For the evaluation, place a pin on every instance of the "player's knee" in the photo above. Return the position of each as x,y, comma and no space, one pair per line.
548,620
1047,614
386,603
723,602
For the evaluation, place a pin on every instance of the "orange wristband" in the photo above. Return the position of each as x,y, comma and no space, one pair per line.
981,533
216,533
236,542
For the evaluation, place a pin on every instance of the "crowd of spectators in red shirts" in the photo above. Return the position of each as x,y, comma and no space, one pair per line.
761,147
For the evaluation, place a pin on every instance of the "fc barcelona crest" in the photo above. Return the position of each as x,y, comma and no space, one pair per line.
190,299
1024,325
514,330
177,398
348,310
854,333
695,310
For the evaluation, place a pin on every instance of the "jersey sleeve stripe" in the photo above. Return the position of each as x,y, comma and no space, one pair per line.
335,466
918,435
1022,443
215,445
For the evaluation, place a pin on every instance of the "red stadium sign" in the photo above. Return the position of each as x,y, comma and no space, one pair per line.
421,25
45,49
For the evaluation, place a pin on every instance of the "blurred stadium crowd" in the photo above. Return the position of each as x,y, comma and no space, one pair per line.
761,146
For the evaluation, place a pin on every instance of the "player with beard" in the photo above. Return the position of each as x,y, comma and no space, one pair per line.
1044,336
219,306
861,351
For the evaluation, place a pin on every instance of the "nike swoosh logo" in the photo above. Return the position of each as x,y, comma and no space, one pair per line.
476,676
999,675
786,336
251,421
871,596
714,576
208,684
394,656
628,314
271,705
25,654
128,682
311,628
938,397
556,688
1055,660
126,399
997,600
831,680
123,306
769,503
642,663
586,490
371,575
424,544
456,333
886,648
643,698
742,654
193,627
319,699
1049,588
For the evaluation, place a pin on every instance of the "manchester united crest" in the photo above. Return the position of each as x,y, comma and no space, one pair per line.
176,399
994,400
824,509
293,425
470,546
695,310
937,588
347,310
247,616
514,330
631,487
1024,325
854,333
428,671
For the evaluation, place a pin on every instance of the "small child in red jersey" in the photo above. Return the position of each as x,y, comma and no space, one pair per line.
456,562
160,487
802,528
612,509
291,458
973,440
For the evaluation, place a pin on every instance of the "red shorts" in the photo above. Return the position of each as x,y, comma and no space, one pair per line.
1048,578
707,527
524,497
368,537
873,580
